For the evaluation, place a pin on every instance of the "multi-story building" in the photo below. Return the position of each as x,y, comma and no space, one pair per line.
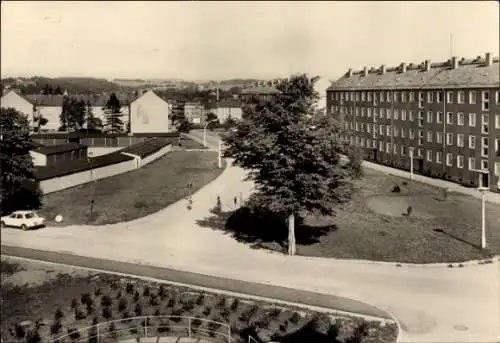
443,117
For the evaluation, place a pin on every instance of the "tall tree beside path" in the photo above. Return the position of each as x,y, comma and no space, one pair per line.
291,155
18,187
72,115
113,113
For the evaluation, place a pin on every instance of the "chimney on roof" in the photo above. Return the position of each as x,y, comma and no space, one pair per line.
382,69
365,71
349,72
454,62
427,65
489,59
403,67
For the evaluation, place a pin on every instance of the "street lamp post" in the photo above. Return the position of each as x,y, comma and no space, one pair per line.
483,218
220,153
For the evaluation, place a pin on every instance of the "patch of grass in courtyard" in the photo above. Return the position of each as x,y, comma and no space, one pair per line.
134,194
374,225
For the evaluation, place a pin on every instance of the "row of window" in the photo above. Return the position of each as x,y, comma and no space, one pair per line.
459,97
396,114
430,155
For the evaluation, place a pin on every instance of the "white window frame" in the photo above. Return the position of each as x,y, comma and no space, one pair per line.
412,133
403,150
460,140
449,159
430,115
484,165
411,115
430,97
472,119
472,142
395,131
403,96
485,118
449,138
449,118
439,97
428,154
403,114
485,100
485,147
439,137
429,136
460,118
403,132
472,163
460,97
388,113
460,161
439,117
449,97
395,114
395,149
439,157
472,97
497,121
412,96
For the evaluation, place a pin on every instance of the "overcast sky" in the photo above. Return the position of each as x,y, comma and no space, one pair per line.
217,40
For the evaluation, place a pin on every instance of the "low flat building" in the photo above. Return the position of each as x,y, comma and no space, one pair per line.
49,156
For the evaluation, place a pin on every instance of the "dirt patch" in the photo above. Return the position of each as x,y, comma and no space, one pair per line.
396,206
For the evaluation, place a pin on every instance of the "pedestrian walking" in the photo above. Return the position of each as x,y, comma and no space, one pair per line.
235,201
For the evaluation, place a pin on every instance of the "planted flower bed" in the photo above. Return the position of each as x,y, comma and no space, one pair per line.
68,304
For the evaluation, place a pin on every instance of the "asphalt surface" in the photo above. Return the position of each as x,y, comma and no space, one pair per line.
200,280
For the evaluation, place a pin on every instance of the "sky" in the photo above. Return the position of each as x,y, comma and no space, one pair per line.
221,40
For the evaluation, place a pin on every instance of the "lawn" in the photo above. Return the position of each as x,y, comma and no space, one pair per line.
64,299
373,226
134,194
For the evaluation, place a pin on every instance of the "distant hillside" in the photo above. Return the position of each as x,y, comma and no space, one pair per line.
74,85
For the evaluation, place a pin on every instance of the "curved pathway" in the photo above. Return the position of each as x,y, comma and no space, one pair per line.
431,304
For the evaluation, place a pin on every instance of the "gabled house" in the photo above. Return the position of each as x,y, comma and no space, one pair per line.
228,108
150,113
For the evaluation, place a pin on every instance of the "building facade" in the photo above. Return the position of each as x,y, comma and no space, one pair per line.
150,113
445,117
50,156
228,108
194,112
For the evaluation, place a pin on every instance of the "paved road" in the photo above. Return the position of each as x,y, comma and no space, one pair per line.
432,304
230,285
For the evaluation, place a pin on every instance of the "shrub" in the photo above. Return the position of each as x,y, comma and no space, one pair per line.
171,302
107,312
321,323
20,333
176,313
146,291
221,303
187,304
225,314
106,301
263,323
33,337
97,292
130,288
396,189
157,312
200,299
90,308
80,314
359,334
161,292
74,303
195,324
334,332
282,327
119,294
112,329
235,304
122,304
125,315
86,299
136,296
213,327
58,314
207,311
154,300
276,337
275,313
56,327
138,309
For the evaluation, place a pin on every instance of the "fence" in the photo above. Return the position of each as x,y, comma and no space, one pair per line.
149,326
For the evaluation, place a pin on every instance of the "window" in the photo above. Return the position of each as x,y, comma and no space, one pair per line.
472,142
420,137
439,157
497,97
460,97
484,147
395,149
412,96
497,121
403,115
369,112
449,97
395,131
396,114
420,118
388,130
472,163
497,146
439,137
374,144
362,142
439,97
381,96
429,136
420,152
472,97
430,99
369,96
420,99
388,147
381,129
352,96
411,115
472,120
486,100
484,123
357,126
429,155
429,115
356,110
403,132
449,138
449,159
368,128
381,146
363,96
439,117
389,97
357,96
389,113
460,140
396,97
403,96
363,111
449,118
368,142
403,150
460,161
382,113
412,134
484,164
460,118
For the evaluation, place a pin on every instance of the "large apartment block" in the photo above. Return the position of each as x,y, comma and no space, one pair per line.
445,115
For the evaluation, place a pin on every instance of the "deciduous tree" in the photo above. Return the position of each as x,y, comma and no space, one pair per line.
291,155
18,187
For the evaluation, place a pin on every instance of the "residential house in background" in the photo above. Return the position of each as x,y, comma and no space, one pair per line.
150,113
194,112
49,156
263,91
228,108
11,99
445,115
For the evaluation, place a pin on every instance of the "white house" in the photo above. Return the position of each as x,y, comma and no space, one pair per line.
18,102
228,108
150,114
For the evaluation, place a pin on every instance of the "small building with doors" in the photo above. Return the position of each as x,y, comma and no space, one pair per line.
48,156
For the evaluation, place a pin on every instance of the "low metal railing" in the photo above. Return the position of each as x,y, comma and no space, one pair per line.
146,327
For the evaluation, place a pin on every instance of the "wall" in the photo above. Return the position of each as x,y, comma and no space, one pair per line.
156,155
39,160
98,151
149,114
51,113
12,99
224,112
72,180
